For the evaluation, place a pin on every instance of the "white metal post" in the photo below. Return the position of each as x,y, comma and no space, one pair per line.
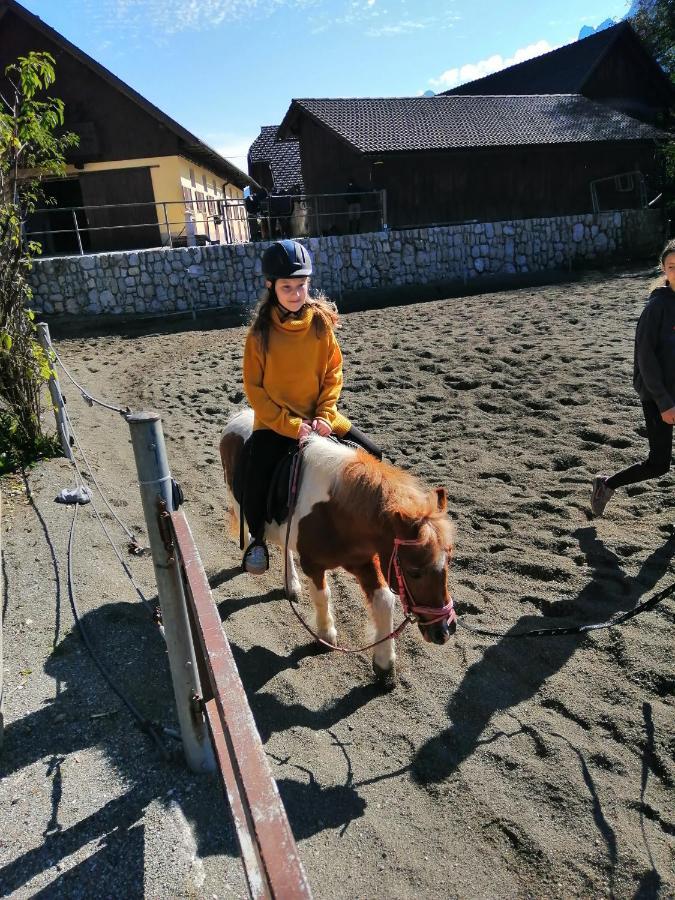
77,232
168,227
55,392
155,482
190,229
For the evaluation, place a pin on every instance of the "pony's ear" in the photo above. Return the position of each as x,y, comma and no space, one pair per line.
442,499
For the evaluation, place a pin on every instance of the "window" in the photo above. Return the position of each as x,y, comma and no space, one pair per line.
199,197
624,183
205,183
192,178
187,196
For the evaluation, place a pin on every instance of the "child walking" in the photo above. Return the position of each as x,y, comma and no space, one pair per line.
654,380
292,380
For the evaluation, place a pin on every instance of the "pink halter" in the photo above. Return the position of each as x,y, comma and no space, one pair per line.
443,614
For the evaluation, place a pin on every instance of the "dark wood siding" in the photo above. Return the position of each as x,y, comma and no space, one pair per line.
111,126
328,166
485,185
627,79
135,186
489,185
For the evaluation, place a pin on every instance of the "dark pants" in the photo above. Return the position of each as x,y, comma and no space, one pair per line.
263,451
660,438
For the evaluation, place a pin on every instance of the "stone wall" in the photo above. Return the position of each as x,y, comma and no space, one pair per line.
229,276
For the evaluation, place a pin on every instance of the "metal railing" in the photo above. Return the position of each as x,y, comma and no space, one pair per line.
178,223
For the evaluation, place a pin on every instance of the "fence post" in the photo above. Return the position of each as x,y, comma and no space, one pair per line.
156,485
317,231
55,392
77,232
168,226
383,209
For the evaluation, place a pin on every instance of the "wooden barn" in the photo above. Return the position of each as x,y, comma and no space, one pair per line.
130,152
453,158
611,67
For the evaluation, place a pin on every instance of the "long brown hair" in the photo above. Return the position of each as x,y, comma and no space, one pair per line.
325,315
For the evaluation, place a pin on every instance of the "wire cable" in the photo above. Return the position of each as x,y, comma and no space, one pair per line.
127,531
90,399
125,567
149,727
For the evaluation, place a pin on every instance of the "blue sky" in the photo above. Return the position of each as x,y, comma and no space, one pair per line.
223,68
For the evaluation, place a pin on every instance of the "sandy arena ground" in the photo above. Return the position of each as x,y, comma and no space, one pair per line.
498,767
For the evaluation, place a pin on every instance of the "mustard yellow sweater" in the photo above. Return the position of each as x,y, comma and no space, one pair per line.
300,376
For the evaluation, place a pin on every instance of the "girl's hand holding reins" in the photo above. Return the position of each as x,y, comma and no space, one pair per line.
305,431
321,427
668,416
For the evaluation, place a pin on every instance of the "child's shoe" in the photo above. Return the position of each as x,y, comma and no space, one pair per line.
600,495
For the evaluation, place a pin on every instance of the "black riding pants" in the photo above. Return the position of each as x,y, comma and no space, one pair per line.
660,438
264,450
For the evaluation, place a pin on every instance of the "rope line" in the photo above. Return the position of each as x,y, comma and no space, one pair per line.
153,729
122,562
617,619
149,727
124,528
89,398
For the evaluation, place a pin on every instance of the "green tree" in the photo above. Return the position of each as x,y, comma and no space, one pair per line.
32,146
654,21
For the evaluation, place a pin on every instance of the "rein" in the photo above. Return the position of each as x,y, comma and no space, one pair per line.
409,608
617,619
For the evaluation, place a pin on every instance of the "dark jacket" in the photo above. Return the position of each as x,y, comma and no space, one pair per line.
654,366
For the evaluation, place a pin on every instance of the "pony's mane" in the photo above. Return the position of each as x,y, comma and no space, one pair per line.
379,489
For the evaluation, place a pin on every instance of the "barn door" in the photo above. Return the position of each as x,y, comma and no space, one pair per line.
123,227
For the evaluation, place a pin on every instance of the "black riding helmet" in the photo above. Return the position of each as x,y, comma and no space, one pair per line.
286,259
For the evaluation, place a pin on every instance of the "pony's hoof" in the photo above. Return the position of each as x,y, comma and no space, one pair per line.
294,595
385,678
330,636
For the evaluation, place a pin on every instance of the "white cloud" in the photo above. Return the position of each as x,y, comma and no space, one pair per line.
382,22
470,71
173,16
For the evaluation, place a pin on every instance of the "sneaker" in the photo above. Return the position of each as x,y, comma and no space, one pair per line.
256,558
600,495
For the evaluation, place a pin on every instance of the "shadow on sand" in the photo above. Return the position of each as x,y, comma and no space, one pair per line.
84,714
499,681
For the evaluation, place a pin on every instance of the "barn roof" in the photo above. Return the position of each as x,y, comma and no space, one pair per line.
410,124
562,71
191,146
283,158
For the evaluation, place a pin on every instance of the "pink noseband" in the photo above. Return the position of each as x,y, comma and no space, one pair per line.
438,614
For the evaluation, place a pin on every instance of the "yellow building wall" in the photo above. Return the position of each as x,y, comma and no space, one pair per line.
206,198
172,183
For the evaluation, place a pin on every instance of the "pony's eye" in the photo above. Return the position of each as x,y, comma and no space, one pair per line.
414,573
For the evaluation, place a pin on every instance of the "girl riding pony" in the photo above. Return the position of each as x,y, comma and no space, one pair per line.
292,380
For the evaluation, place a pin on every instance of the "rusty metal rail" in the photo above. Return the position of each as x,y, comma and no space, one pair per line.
268,850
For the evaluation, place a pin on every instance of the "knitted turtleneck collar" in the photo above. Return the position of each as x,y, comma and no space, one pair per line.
292,321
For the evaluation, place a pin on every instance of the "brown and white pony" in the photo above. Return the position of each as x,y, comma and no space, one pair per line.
370,518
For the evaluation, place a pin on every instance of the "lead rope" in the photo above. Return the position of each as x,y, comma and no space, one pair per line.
292,500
